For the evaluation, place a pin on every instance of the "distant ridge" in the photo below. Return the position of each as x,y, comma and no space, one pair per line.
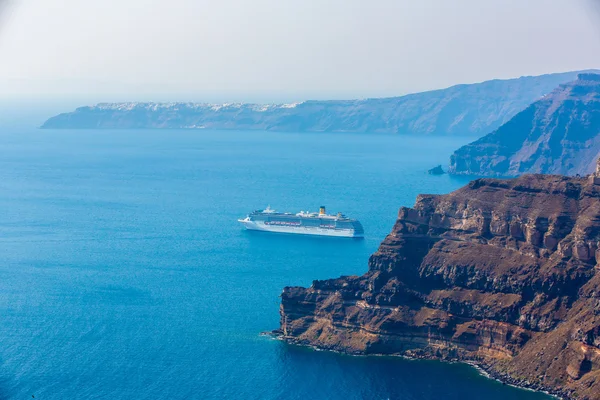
467,109
559,134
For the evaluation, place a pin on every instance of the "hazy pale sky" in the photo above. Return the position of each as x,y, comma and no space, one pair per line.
284,49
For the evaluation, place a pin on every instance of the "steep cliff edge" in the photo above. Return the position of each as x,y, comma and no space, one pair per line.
473,109
502,273
559,134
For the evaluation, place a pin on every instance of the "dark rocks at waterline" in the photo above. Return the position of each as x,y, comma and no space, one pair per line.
436,171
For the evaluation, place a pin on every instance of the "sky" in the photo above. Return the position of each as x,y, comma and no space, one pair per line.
283,50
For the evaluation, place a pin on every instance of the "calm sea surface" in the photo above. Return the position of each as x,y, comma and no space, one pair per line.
124,274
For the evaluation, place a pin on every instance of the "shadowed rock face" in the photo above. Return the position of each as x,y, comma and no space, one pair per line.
559,134
504,273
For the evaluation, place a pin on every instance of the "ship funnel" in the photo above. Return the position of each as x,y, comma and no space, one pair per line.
322,210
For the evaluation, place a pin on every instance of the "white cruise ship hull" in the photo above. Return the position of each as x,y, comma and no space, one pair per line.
299,230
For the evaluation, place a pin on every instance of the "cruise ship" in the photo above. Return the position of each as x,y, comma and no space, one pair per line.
303,223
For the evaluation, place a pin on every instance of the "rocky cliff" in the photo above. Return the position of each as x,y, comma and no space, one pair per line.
559,134
501,273
460,110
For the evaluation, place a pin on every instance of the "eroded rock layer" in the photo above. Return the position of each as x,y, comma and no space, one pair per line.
503,273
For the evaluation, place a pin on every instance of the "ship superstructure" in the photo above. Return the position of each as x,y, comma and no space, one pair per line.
304,223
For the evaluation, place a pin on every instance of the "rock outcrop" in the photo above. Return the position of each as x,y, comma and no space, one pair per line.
436,171
474,109
501,273
559,134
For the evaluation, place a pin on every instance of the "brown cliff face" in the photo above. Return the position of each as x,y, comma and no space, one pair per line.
503,273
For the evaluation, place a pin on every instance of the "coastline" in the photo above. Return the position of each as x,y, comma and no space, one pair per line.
483,369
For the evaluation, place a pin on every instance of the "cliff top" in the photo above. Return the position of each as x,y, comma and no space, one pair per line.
591,77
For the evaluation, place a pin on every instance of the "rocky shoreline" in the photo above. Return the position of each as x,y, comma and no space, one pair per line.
483,369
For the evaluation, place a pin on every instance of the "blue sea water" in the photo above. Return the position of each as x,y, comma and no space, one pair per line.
124,274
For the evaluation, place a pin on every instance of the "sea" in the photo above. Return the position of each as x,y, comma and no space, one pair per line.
124,273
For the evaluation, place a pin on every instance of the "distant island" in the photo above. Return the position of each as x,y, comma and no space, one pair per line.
558,134
470,109
504,274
